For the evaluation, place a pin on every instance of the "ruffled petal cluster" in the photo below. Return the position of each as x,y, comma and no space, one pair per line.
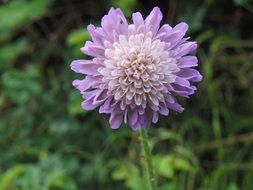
137,69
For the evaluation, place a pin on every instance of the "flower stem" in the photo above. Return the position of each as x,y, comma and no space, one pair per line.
147,159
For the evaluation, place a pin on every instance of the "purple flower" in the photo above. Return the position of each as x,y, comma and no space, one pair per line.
137,69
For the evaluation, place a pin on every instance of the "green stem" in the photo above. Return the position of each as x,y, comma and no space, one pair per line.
147,159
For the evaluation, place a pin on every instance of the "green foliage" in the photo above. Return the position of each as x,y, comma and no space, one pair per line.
46,175
193,14
16,13
130,174
168,164
126,5
241,2
48,142
10,51
20,85
11,174
78,37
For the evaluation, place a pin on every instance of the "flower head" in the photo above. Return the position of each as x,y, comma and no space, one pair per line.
137,69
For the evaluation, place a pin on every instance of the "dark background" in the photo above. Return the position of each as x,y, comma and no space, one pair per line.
47,142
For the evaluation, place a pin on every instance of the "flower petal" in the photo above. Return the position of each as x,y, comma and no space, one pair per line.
137,19
106,107
155,117
93,49
176,107
153,20
182,27
184,91
190,74
163,110
86,67
132,117
115,120
88,82
114,23
186,48
97,34
188,61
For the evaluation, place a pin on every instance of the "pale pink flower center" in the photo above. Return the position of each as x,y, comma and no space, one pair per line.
138,70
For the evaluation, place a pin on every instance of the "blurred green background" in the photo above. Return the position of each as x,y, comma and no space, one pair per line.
47,142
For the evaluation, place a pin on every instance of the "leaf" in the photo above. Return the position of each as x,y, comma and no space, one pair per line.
163,165
166,165
58,180
64,126
20,85
126,5
232,186
193,14
10,51
7,180
204,36
15,14
217,42
130,174
78,37
74,104
240,2
30,179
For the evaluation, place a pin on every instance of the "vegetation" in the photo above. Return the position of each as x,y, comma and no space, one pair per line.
47,142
